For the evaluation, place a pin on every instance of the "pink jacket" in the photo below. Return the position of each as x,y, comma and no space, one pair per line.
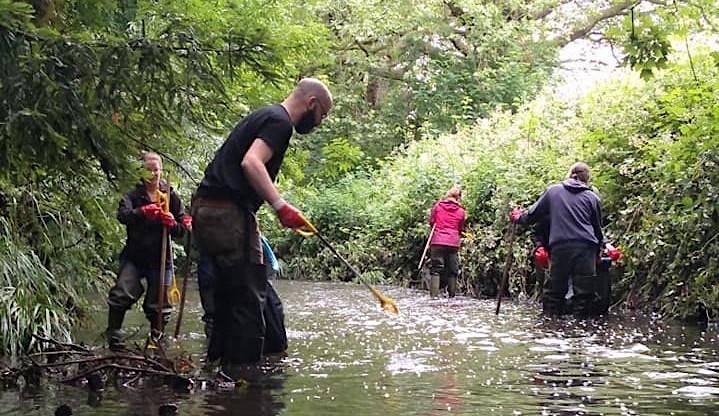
448,218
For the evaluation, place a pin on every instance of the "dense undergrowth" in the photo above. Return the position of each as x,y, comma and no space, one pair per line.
654,148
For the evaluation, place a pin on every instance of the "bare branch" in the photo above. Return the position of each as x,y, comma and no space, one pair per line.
542,13
706,18
587,26
362,48
460,45
395,74
583,60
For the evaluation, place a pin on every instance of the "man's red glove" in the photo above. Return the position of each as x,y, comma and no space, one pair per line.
187,222
289,216
541,257
168,220
516,214
614,253
150,212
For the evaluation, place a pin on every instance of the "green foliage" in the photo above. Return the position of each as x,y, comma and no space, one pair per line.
14,14
653,149
338,158
410,70
84,86
427,94
663,163
644,42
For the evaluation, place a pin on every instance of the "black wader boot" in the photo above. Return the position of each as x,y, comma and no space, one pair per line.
451,286
434,285
115,316
436,268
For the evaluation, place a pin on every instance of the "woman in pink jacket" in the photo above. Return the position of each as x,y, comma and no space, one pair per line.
447,218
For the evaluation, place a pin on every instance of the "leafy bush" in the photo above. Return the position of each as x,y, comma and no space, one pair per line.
653,147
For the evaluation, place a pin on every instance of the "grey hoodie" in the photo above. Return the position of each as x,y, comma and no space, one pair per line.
574,212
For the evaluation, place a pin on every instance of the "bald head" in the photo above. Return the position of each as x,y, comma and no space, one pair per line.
312,87
309,104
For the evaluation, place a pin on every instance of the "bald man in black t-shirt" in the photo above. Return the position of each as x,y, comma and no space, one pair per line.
236,183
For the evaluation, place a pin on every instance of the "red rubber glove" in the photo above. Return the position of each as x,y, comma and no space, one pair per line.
150,212
541,257
290,217
614,253
516,214
187,222
168,220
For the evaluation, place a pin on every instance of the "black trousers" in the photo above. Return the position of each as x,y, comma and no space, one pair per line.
578,261
273,312
238,333
444,262
228,236
128,289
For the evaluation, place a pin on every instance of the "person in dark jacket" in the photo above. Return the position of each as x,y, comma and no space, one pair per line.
575,239
238,180
447,219
141,211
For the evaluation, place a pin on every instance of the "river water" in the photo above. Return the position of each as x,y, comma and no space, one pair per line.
438,357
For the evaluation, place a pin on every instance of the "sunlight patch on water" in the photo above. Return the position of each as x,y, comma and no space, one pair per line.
665,376
697,392
401,363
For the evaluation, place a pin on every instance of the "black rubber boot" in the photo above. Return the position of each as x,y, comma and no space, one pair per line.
434,285
241,373
113,335
451,286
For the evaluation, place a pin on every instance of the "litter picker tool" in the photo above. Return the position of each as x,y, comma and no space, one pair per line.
388,304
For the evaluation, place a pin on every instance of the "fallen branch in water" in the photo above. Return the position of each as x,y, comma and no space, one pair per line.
71,346
67,363
108,358
125,368
64,352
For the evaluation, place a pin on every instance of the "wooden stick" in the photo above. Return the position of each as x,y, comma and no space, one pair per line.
188,268
507,266
163,260
426,247
161,284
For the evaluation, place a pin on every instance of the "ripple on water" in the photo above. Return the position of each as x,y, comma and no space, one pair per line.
698,392
441,356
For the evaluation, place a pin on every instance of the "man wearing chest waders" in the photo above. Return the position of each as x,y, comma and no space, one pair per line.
575,238
236,183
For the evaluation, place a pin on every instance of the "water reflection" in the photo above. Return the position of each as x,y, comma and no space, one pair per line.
249,400
437,357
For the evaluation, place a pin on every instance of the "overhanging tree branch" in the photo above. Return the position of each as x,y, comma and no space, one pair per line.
542,13
587,26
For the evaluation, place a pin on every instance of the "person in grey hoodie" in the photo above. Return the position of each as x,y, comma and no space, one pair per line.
575,240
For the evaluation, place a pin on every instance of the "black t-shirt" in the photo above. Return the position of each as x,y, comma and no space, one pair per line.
224,177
